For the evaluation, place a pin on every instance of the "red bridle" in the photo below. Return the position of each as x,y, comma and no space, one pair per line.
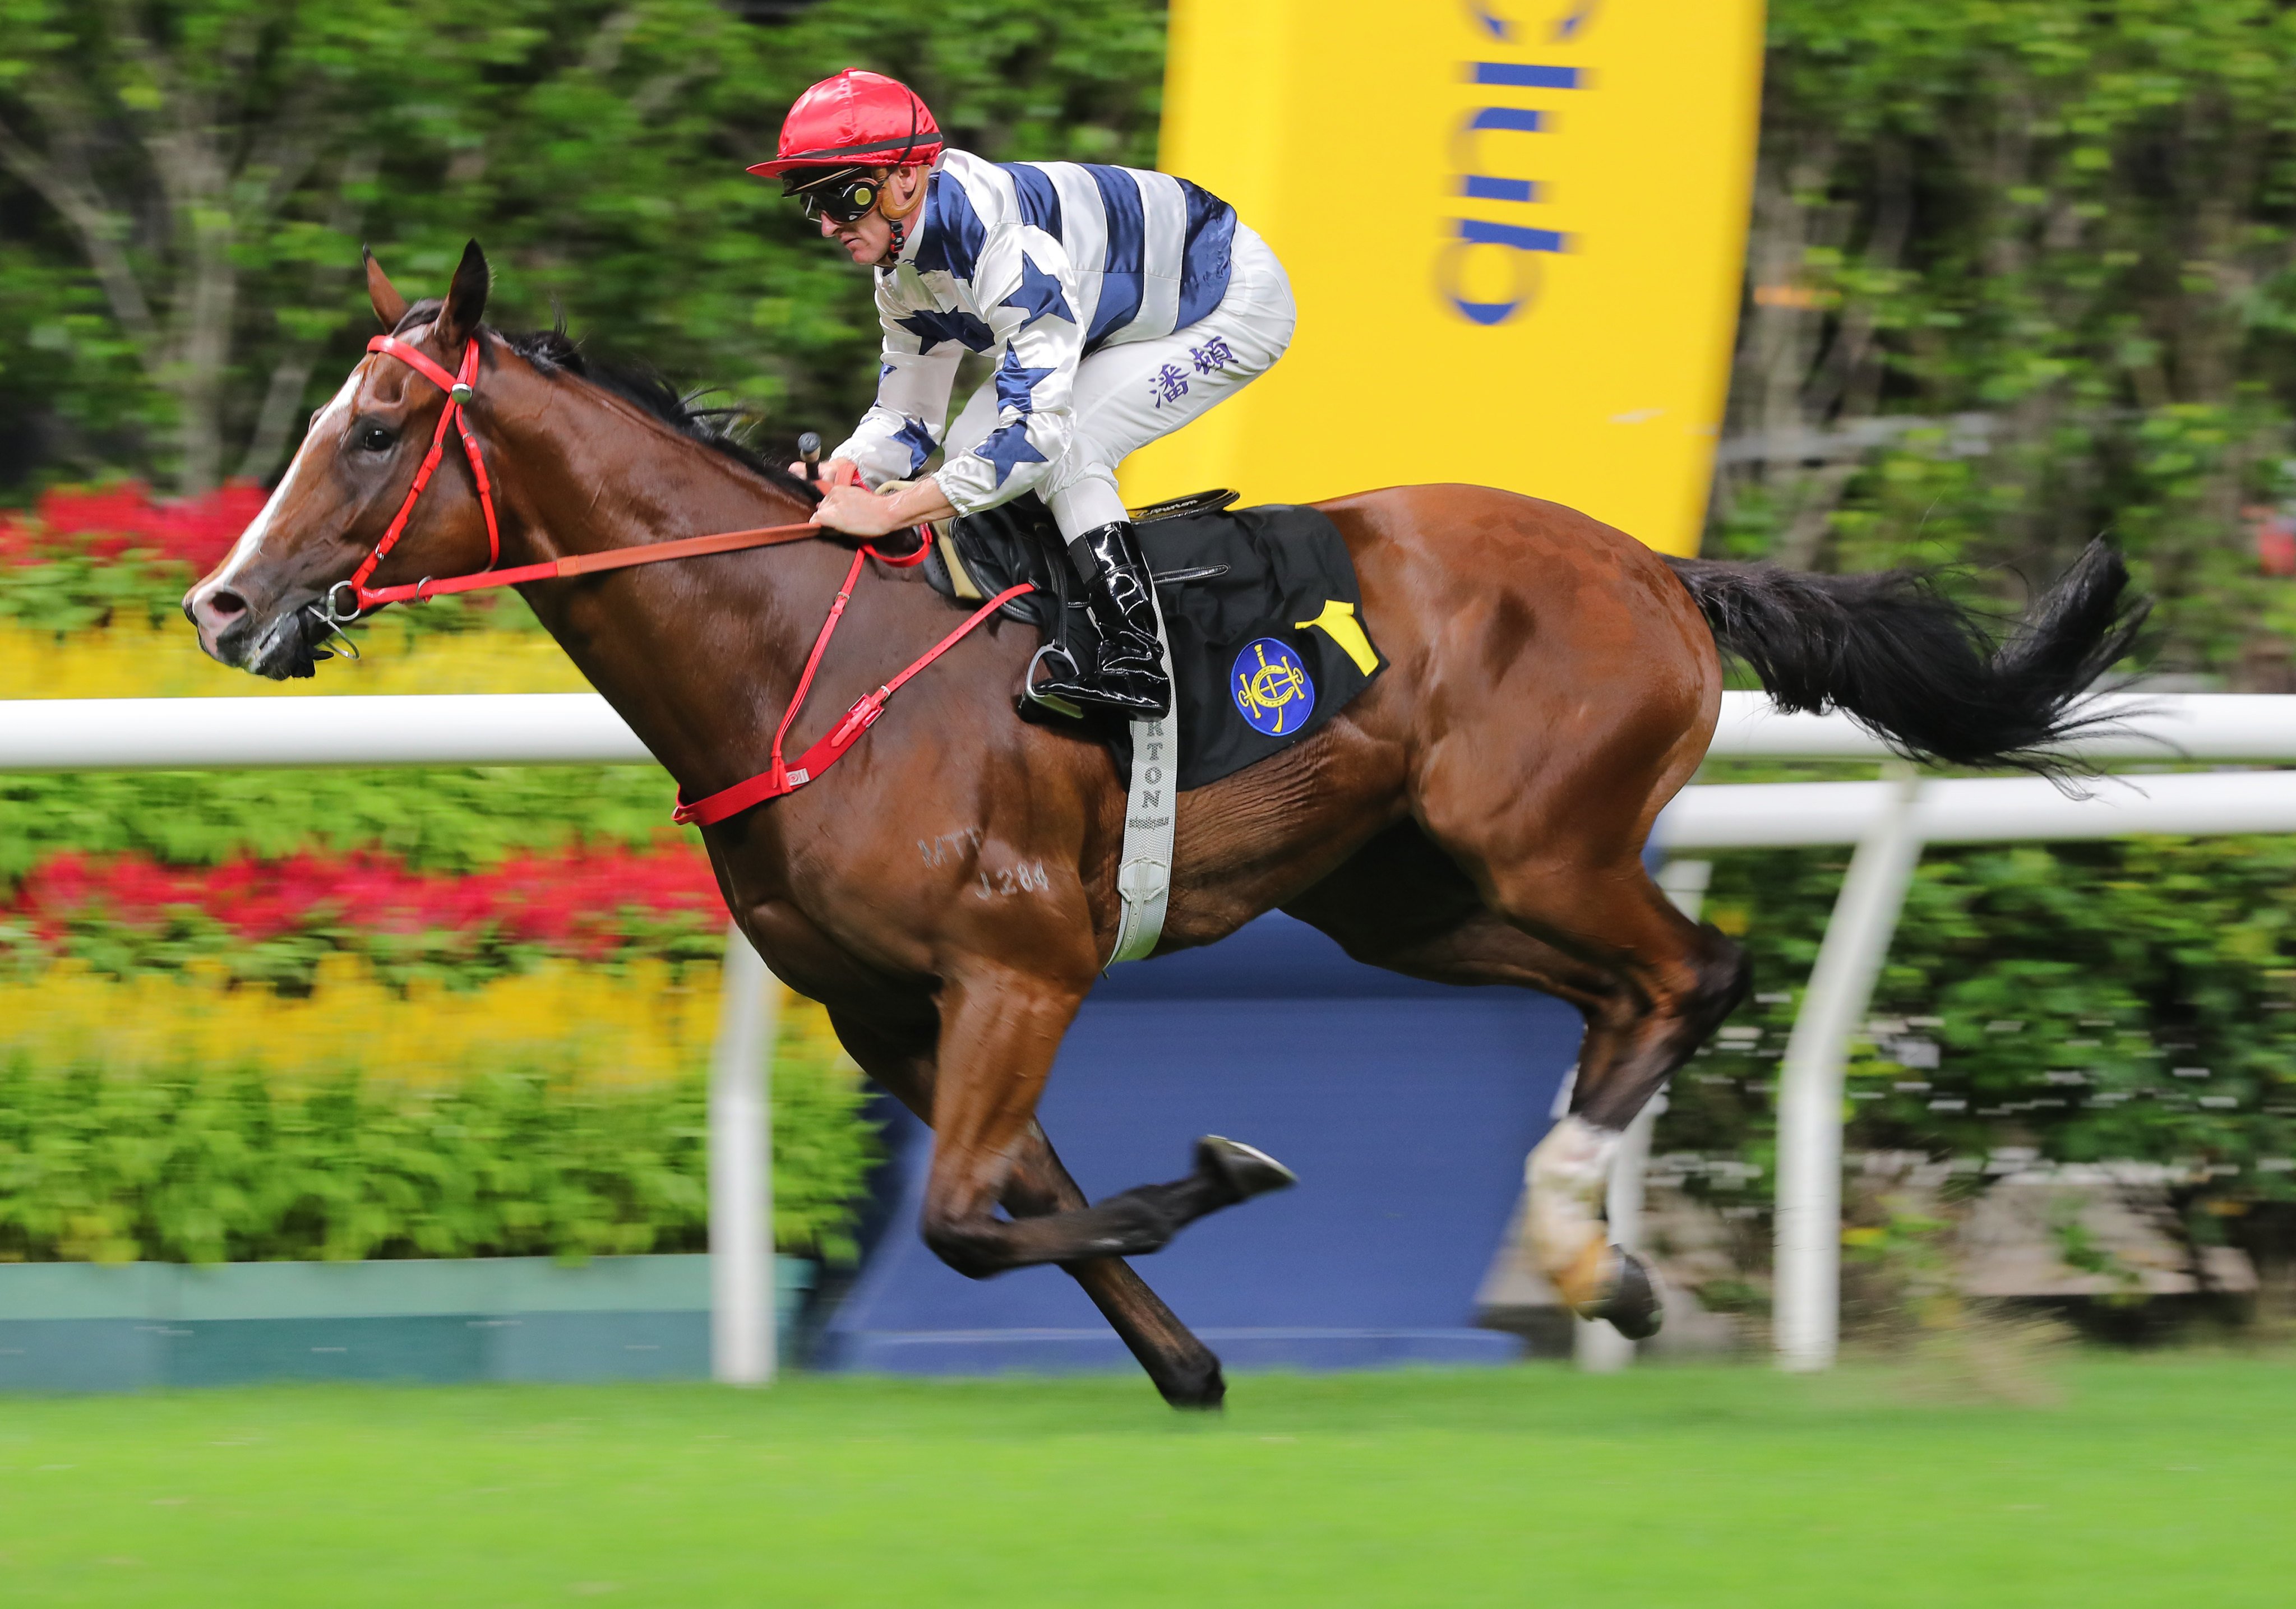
782,778
459,387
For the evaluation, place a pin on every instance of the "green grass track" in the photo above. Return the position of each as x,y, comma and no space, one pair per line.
2154,1481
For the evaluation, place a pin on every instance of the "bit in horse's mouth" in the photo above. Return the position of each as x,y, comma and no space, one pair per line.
284,652
320,627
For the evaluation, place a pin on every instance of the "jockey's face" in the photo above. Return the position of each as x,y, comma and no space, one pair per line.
868,240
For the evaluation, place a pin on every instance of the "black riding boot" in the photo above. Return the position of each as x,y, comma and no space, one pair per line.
1129,678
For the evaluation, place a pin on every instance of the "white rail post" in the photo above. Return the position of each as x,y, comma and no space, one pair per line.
1807,1298
741,1280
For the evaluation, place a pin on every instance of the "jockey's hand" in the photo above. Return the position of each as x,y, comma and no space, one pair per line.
837,472
858,511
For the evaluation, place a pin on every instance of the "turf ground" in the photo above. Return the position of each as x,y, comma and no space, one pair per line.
2164,1481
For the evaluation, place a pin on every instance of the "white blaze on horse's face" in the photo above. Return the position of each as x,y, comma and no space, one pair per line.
329,422
225,606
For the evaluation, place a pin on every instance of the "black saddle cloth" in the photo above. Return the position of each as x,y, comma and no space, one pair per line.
1260,606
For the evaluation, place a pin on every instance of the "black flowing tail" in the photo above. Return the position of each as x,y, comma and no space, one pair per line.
1906,660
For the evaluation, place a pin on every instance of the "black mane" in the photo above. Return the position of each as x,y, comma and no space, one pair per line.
555,352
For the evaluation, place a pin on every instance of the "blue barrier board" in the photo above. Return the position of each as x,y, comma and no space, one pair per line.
1406,1108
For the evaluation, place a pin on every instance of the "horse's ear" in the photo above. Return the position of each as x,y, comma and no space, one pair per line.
390,306
466,299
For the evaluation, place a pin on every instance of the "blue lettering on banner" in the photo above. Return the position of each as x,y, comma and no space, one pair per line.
1513,120
1569,27
1520,74
1482,187
1475,239
1501,28
1476,233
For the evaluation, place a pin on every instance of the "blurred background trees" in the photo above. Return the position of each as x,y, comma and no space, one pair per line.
2018,275
186,186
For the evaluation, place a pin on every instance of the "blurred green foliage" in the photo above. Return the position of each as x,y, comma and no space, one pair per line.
187,185
216,1164
2110,1001
76,590
436,818
289,962
2029,273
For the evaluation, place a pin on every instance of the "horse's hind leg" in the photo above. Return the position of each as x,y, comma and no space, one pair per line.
1184,1369
1665,984
1649,984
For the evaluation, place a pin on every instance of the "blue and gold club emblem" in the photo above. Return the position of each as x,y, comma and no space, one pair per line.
1271,688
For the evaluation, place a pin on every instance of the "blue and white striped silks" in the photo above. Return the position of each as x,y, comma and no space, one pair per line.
1038,266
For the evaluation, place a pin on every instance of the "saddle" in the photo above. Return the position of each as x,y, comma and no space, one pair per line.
1261,610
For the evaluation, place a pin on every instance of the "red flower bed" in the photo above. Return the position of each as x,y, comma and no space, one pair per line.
572,900
106,523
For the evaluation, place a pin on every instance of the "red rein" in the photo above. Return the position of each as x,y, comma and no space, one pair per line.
713,808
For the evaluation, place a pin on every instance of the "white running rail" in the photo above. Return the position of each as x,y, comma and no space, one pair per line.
579,729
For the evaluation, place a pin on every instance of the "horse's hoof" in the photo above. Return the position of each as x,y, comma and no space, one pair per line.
1247,1171
1203,1393
1632,1307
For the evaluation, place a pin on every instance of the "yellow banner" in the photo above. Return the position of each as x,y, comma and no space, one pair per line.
1515,230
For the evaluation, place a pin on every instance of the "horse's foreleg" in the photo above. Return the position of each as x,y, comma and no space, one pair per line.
1184,1369
1000,1028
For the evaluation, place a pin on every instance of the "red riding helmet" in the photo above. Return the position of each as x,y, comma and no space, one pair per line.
857,118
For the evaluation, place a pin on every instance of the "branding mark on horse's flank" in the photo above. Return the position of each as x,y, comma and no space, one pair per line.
1021,877
947,849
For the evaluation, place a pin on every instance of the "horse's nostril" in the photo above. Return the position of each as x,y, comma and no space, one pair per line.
224,604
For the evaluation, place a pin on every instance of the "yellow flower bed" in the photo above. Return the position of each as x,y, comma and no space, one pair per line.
605,1030
136,661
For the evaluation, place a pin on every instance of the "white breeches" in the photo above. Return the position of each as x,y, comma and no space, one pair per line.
1128,394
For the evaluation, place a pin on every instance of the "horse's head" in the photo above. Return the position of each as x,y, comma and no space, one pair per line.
265,607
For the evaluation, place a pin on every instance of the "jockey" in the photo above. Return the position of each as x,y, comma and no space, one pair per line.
1106,307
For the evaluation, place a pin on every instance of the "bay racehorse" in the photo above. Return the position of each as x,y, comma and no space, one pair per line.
1476,816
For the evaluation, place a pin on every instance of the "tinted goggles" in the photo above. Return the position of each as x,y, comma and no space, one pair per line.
844,198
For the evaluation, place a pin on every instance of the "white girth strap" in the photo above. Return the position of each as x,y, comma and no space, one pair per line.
1144,874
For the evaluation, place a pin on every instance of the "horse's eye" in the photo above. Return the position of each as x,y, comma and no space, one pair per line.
375,439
